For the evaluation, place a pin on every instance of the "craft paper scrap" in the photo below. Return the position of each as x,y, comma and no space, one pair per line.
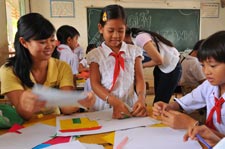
109,138
57,97
104,119
68,145
29,137
78,124
159,138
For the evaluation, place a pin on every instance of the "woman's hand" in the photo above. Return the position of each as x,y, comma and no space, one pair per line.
29,102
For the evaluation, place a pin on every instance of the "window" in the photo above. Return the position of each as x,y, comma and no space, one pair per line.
14,9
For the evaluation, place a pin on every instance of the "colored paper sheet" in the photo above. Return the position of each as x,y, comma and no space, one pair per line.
78,124
104,119
109,138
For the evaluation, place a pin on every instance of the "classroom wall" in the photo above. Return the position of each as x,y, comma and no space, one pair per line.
207,25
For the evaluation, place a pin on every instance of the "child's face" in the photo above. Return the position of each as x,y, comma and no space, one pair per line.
72,42
214,71
113,32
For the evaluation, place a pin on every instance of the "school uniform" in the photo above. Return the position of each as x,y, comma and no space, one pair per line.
166,75
124,85
87,85
204,95
79,52
69,56
84,63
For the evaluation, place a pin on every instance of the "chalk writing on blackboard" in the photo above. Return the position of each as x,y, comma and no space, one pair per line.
142,19
181,26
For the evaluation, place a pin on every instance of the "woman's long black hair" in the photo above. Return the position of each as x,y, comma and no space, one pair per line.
156,37
30,26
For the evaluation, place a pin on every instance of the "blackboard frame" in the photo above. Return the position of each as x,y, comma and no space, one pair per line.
181,26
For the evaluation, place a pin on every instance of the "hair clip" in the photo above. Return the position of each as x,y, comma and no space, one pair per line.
104,17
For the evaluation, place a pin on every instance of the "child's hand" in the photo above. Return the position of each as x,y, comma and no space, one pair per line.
210,137
120,110
158,108
177,120
139,109
89,101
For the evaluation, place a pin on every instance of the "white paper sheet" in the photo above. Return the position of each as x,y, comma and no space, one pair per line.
220,145
104,118
69,145
57,97
75,145
29,137
155,138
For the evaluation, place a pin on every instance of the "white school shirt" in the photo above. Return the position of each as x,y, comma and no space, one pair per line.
84,63
169,54
67,55
203,96
79,52
124,86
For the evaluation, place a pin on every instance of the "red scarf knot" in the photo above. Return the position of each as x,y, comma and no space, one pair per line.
217,107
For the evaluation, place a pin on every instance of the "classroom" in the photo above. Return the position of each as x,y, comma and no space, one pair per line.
194,20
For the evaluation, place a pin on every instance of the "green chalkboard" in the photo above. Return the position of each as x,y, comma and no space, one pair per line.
181,26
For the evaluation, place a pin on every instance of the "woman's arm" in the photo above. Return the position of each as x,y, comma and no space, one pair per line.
26,103
152,51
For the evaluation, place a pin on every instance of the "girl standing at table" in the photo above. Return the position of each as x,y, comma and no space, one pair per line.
115,67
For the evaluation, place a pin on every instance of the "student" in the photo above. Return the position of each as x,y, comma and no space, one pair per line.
83,65
113,78
32,63
210,93
192,74
68,38
84,69
207,134
164,56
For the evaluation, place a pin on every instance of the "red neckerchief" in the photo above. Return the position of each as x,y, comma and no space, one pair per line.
119,62
217,107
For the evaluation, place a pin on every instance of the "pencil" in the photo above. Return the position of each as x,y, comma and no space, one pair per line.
203,141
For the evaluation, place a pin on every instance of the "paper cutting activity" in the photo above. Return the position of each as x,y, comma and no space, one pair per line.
112,75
